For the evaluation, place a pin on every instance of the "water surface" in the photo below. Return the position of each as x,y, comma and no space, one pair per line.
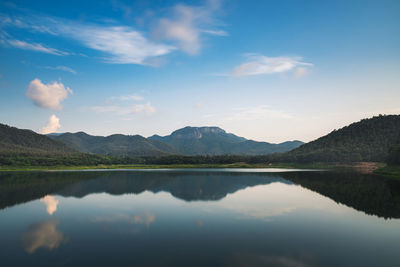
198,217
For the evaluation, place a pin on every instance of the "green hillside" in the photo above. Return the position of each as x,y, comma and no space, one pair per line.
366,140
14,140
116,145
27,148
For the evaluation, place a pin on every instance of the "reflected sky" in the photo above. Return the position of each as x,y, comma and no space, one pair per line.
194,218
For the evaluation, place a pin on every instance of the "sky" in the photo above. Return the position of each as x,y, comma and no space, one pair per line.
266,70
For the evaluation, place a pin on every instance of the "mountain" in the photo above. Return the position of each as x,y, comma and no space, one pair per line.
116,144
215,141
17,141
26,148
366,140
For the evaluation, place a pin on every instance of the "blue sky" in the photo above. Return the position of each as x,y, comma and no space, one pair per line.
266,70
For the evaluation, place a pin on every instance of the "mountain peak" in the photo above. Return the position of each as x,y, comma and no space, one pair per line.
189,132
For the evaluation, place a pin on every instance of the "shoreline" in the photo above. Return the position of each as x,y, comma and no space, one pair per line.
364,167
376,168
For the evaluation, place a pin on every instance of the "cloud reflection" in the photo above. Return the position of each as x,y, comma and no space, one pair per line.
51,203
42,234
146,218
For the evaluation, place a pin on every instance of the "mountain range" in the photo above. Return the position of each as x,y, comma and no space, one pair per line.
185,141
116,144
215,141
373,139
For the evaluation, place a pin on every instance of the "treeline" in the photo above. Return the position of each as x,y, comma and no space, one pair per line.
60,159
81,159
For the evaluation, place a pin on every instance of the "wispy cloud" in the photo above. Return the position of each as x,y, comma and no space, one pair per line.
62,68
123,110
52,125
128,97
123,106
123,44
182,26
120,44
186,24
34,47
259,64
256,113
47,95
216,32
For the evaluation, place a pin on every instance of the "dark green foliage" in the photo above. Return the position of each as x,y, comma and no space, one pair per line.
215,141
115,145
366,140
394,156
16,140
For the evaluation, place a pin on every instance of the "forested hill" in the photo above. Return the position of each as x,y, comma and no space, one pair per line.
116,144
17,141
26,148
366,140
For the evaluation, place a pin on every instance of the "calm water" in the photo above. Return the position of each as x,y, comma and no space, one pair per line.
198,217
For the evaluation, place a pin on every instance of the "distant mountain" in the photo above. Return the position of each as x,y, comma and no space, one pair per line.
116,144
366,140
17,141
215,141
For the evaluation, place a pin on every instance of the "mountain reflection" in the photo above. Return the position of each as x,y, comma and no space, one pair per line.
367,193
42,234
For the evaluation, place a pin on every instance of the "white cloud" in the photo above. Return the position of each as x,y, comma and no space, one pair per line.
145,109
35,47
259,64
47,95
186,24
52,125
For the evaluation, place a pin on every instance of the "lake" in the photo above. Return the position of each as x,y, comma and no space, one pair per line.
207,217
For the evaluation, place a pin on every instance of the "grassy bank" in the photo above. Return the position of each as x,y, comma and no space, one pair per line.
389,171
143,166
183,166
